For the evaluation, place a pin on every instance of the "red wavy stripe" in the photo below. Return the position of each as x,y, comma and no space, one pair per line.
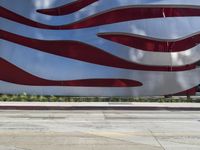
5,13
84,52
190,92
16,75
108,17
154,45
67,9
132,13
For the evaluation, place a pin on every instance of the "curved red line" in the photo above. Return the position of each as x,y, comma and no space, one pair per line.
84,52
191,91
13,74
5,13
67,9
150,44
109,17
132,13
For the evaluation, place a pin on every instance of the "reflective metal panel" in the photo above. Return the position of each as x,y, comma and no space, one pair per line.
99,47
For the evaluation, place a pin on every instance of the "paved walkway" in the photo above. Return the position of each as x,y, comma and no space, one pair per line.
98,106
99,130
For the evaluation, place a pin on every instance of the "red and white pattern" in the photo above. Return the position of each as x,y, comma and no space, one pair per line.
96,48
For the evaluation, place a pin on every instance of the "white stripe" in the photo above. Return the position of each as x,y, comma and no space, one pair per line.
166,28
29,9
155,85
58,68
134,55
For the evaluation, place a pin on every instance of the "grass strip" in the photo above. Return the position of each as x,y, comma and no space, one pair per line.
38,98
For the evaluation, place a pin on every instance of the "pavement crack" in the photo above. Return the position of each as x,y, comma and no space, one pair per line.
156,139
117,139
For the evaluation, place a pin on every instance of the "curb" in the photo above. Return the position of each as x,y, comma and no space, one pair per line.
137,108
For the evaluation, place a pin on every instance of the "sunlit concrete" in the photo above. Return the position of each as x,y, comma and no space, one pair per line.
99,130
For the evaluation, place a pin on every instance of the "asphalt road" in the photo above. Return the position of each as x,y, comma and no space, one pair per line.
99,130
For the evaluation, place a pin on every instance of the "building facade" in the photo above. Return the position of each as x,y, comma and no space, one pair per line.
99,47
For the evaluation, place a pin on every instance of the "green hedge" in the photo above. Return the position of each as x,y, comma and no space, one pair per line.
37,98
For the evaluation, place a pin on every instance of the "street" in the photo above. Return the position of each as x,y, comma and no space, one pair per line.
99,130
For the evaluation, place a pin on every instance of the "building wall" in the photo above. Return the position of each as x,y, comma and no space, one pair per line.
99,47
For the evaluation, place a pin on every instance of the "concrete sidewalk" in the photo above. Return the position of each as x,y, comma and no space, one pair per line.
98,106
99,130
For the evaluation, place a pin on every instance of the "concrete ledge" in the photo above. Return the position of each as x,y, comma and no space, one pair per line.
98,106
